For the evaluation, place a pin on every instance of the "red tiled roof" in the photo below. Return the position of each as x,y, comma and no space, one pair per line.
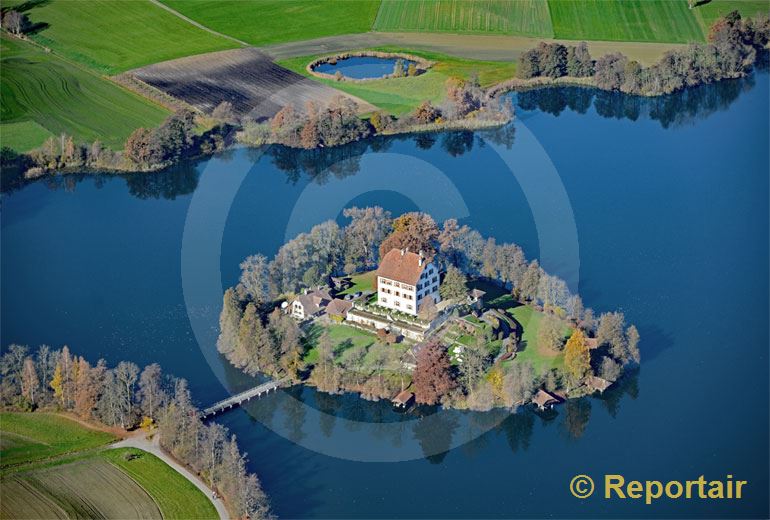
339,307
403,266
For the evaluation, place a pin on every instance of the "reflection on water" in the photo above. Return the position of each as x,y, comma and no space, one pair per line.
681,108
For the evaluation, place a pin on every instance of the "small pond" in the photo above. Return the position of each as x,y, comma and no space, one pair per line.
362,67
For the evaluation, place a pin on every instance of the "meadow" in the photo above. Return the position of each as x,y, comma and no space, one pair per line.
401,95
30,437
262,22
520,17
54,467
44,95
709,12
630,20
112,36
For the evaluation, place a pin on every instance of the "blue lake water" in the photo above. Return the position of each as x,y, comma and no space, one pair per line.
362,67
666,200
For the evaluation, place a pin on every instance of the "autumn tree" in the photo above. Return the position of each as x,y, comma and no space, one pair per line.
530,281
454,286
433,377
428,309
254,278
415,231
87,388
577,357
425,113
151,393
29,381
362,237
550,333
518,383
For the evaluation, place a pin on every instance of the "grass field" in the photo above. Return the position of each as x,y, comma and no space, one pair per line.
54,467
342,337
262,22
521,17
42,94
541,360
401,95
89,488
116,35
627,20
176,496
30,437
361,282
708,13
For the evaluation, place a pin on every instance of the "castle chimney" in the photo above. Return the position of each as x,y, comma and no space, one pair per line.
422,259
402,252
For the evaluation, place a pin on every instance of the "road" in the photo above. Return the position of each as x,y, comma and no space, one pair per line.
470,46
140,441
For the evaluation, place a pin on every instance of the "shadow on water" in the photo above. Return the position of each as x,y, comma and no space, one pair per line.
678,109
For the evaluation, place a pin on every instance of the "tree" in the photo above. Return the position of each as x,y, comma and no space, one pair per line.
529,64
15,22
517,384
362,237
549,335
553,59
87,388
229,322
577,357
326,375
610,369
610,71
151,393
29,381
425,113
530,281
224,113
610,333
415,231
142,148
579,62
254,278
126,374
473,367
454,286
433,377
632,344
428,310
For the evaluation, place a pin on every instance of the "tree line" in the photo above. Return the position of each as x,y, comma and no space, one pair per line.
338,122
257,336
126,396
733,47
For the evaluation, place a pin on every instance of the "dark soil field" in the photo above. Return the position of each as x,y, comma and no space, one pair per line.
247,78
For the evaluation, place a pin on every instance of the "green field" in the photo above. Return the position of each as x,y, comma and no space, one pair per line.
401,95
342,337
626,20
520,17
262,22
49,96
708,13
54,467
116,35
176,496
530,319
29,437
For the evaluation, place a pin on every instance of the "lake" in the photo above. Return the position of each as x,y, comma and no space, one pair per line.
362,67
656,207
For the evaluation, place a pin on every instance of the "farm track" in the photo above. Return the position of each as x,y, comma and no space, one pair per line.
469,46
196,24
248,78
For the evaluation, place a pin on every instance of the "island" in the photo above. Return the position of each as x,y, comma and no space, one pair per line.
404,309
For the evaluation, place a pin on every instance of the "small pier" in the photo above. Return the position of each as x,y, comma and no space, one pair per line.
238,399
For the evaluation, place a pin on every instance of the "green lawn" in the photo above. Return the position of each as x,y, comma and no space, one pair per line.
116,35
401,95
626,20
53,96
342,337
35,436
361,282
708,13
520,17
176,496
262,22
23,136
530,319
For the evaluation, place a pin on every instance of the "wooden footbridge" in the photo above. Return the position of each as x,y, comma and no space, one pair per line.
238,399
